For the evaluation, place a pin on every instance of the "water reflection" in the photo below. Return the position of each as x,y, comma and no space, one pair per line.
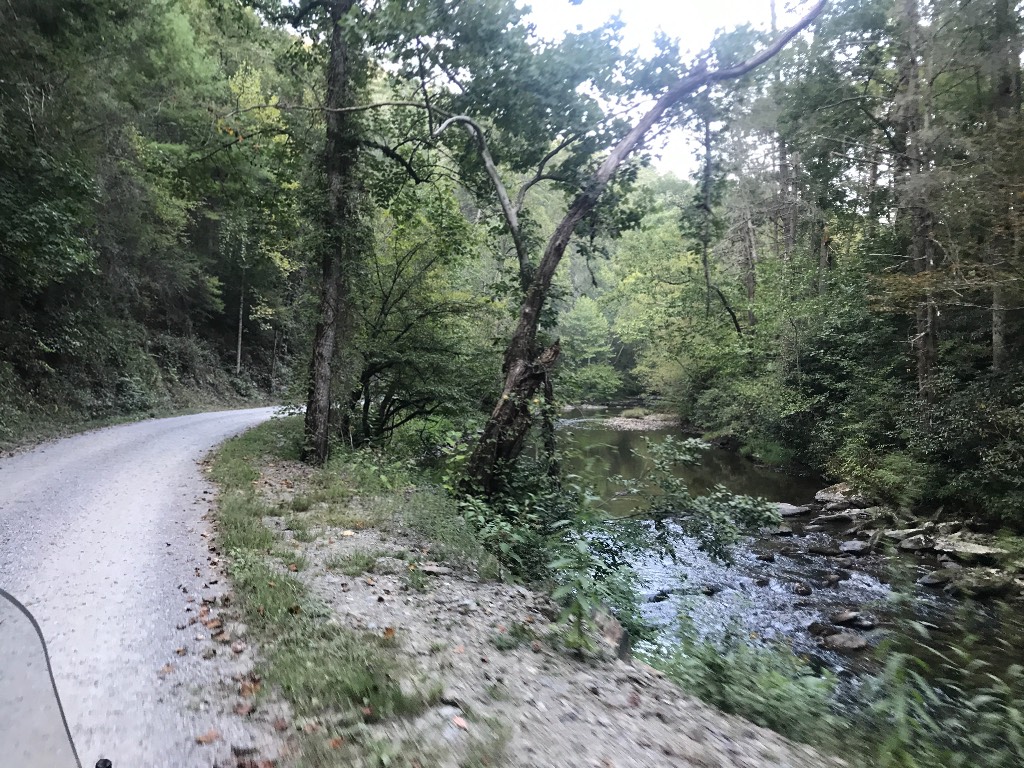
598,453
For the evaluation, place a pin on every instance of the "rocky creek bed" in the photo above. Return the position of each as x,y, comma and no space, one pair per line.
836,578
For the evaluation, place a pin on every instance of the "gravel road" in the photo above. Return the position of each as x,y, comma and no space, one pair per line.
101,536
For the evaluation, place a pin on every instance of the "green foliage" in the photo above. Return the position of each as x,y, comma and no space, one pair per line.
769,686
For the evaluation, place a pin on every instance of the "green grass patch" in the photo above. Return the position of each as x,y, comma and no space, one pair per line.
355,563
319,666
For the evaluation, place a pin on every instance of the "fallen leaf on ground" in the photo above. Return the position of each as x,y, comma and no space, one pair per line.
213,623
249,688
460,722
244,708
348,533
280,724
166,669
389,632
209,737
293,567
336,742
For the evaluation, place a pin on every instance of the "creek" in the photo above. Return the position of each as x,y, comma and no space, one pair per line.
758,599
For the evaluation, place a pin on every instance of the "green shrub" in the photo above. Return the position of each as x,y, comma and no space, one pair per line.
769,686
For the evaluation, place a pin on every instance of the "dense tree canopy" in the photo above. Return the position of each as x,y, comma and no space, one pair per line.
360,205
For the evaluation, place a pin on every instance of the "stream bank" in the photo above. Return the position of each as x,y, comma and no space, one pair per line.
838,577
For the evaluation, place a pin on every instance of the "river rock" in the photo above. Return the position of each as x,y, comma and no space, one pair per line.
854,619
981,583
904,533
833,579
782,530
936,578
660,596
969,551
840,493
791,510
845,642
856,547
838,506
766,557
802,589
837,517
826,550
821,629
762,581
917,543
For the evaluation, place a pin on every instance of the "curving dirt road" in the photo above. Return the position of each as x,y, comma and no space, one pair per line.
101,536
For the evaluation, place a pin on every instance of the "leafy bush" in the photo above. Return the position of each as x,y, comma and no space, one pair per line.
769,686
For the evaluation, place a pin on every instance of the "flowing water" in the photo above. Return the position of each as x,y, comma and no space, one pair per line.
758,599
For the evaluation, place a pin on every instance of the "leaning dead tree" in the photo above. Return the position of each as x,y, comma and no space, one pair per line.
527,366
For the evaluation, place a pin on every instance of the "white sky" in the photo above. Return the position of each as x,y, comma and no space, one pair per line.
693,22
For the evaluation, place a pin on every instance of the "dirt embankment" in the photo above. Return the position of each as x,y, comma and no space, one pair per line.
504,689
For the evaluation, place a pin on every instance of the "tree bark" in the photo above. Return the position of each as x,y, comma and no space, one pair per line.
340,245
241,317
527,368
1006,101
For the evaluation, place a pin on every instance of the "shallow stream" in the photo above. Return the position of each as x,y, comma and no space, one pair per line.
758,599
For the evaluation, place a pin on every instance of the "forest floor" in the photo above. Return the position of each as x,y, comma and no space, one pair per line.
385,639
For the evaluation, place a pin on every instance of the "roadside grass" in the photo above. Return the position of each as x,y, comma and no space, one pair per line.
320,667
355,563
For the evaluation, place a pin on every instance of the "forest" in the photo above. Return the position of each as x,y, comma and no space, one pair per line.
430,231
354,206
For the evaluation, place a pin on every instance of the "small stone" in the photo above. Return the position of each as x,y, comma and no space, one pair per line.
762,582
766,557
435,570
936,578
802,589
821,629
916,543
238,646
825,550
209,653
791,510
854,619
782,530
845,642
660,596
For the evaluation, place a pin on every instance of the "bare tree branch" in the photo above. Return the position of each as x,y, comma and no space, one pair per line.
510,211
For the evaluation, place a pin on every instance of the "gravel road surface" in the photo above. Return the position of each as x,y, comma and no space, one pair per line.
101,537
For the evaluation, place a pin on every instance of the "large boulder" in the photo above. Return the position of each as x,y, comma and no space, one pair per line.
792,510
840,494
856,547
917,543
981,583
969,552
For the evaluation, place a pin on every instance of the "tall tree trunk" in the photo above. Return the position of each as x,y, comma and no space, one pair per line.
912,166
1006,101
340,242
705,226
241,317
824,259
750,277
526,367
